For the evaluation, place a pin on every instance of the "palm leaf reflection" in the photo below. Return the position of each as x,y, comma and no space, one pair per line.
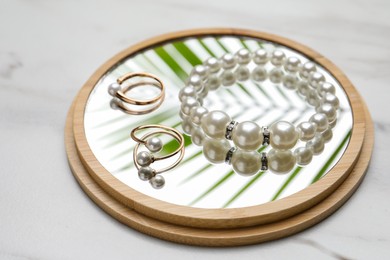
173,62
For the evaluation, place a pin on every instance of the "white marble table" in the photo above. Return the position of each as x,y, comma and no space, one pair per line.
48,49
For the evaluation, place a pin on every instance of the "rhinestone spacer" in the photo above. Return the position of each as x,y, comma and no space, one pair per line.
229,155
229,130
264,162
266,135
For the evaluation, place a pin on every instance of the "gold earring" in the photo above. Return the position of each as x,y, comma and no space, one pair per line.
143,160
119,94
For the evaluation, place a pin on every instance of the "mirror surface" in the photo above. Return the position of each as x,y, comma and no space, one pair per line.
196,182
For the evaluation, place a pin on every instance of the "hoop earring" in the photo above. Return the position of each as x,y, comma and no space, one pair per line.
143,160
120,98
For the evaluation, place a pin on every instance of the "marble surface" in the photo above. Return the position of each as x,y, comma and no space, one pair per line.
48,49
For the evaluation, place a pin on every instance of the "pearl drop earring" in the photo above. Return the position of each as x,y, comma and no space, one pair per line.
120,98
144,159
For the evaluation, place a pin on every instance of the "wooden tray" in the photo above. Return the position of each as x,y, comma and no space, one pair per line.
221,227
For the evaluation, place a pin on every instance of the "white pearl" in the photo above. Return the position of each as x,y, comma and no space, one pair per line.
114,103
316,144
144,158
146,173
292,64
213,82
303,155
280,162
247,136
228,78
246,163
214,124
215,150
320,120
290,81
283,135
327,135
260,57
325,87
196,82
242,73
306,130
187,104
315,79
276,75
187,92
243,57
214,64
278,57
154,144
312,98
200,70
229,61
197,113
113,89
259,73
328,110
187,125
303,87
307,68
157,181
330,98
197,136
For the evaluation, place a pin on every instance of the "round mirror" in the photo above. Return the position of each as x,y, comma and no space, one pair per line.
196,182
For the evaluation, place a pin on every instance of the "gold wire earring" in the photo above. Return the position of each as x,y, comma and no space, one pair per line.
120,98
144,159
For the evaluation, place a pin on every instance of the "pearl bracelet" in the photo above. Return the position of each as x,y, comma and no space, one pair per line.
247,136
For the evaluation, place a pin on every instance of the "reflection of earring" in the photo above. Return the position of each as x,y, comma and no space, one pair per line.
143,159
120,97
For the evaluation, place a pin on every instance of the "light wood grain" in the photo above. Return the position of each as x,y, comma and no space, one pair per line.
219,237
222,218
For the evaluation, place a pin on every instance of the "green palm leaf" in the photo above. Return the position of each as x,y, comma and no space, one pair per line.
213,187
243,189
328,163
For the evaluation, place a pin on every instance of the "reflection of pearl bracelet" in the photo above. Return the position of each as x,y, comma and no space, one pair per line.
248,136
